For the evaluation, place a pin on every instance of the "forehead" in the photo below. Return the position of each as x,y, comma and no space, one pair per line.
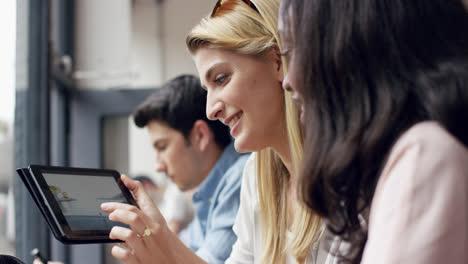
209,59
206,58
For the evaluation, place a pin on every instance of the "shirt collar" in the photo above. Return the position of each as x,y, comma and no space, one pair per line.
206,189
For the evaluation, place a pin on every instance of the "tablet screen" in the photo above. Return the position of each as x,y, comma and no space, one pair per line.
80,197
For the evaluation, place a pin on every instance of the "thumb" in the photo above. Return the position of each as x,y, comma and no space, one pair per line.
142,198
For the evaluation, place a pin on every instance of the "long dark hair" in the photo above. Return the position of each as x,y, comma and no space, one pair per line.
369,70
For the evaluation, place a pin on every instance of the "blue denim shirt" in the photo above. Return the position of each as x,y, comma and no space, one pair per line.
216,202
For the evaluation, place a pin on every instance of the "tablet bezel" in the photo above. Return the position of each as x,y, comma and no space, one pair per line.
28,181
69,235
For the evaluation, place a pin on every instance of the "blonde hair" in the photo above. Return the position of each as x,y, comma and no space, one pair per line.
239,28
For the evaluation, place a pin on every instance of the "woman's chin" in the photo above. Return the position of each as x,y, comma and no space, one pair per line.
241,147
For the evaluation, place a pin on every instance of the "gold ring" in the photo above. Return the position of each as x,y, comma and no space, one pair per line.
147,232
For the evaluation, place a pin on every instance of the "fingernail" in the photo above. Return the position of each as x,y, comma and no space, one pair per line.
104,206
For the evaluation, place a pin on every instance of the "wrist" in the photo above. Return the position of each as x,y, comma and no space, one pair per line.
177,252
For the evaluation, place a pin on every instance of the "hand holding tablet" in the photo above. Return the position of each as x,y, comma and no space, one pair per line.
70,200
147,237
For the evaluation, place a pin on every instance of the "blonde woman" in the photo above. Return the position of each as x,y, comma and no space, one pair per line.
237,53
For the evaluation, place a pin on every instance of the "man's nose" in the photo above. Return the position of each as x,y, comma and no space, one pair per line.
160,165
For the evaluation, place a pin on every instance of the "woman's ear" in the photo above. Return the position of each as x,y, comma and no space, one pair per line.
275,54
200,135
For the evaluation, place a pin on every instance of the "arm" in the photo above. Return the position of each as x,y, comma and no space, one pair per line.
420,213
141,246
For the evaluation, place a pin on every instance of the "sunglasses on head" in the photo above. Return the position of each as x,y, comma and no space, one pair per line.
221,2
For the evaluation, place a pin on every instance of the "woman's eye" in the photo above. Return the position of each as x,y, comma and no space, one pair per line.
161,148
220,78
286,53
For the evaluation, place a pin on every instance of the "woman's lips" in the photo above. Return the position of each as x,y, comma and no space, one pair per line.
300,106
234,122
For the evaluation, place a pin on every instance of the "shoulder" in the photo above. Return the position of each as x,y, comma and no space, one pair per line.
249,178
235,171
231,180
250,164
422,190
426,163
430,136
425,147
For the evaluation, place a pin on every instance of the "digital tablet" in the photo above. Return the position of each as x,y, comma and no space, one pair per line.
70,200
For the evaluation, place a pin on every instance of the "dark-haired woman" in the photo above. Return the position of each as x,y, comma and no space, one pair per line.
383,86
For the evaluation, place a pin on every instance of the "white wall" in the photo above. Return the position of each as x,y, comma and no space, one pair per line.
146,52
159,53
102,32
181,16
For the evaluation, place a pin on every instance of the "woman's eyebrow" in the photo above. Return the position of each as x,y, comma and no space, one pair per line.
209,72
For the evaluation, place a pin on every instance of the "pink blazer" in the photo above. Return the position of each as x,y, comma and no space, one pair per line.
419,214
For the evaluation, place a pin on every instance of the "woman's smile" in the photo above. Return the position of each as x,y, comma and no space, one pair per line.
234,121
244,92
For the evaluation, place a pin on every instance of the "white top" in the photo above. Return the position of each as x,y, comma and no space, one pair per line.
419,213
248,227
176,205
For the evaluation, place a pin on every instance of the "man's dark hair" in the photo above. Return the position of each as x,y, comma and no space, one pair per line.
179,104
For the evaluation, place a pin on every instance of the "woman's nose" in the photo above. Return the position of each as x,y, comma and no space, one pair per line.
214,111
287,84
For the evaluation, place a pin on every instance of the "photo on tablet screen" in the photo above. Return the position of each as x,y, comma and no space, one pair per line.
80,198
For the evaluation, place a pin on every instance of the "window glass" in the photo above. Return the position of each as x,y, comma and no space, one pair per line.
7,92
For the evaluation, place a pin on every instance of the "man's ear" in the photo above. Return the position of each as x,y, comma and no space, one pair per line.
275,54
200,135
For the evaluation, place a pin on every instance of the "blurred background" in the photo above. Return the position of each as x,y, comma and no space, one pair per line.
71,72
7,102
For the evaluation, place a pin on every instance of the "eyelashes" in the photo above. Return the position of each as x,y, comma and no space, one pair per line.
220,78
285,53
